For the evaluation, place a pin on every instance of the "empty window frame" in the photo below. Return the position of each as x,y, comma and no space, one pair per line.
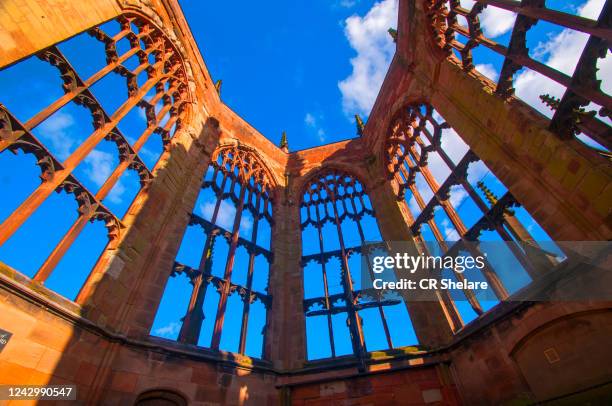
154,82
341,318
452,198
581,108
234,211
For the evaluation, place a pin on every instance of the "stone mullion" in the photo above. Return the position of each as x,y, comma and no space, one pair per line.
247,298
435,188
471,297
518,146
488,271
444,295
225,287
479,202
540,261
355,322
421,203
469,294
23,212
265,353
72,94
552,16
328,304
433,317
120,169
61,248
73,232
515,56
522,258
511,244
192,322
362,237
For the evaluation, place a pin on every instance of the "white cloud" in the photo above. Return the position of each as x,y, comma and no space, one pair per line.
100,165
313,122
457,195
414,207
488,70
147,153
591,9
346,3
561,52
448,230
116,193
494,21
246,225
170,330
369,37
225,216
321,134
309,120
56,129
476,171
453,144
142,114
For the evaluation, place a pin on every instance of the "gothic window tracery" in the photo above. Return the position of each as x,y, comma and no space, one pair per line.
452,199
226,256
337,219
573,93
74,120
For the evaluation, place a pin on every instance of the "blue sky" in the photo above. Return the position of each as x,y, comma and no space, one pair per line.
281,62
308,66
305,67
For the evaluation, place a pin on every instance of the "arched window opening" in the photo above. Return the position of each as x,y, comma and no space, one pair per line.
160,397
453,200
554,58
229,266
82,92
341,317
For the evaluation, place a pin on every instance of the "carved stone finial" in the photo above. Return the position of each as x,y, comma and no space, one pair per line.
360,125
550,101
490,196
393,33
218,84
284,145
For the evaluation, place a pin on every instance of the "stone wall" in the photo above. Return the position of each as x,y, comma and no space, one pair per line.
102,343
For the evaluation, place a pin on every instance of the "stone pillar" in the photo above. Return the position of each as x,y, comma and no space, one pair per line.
563,184
286,336
429,318
126,286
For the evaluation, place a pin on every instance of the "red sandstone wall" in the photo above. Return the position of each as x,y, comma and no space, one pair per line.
113,360
49,349
421,386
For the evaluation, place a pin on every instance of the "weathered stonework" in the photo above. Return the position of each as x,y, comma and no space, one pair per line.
101,341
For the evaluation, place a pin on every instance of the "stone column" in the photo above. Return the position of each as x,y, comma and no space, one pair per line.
430,319
286,338
126,285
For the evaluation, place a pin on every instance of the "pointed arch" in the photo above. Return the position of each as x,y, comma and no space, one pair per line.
91,170
232,260
336,208
452,200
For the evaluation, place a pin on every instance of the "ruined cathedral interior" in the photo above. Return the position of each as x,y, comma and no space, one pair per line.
274,313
